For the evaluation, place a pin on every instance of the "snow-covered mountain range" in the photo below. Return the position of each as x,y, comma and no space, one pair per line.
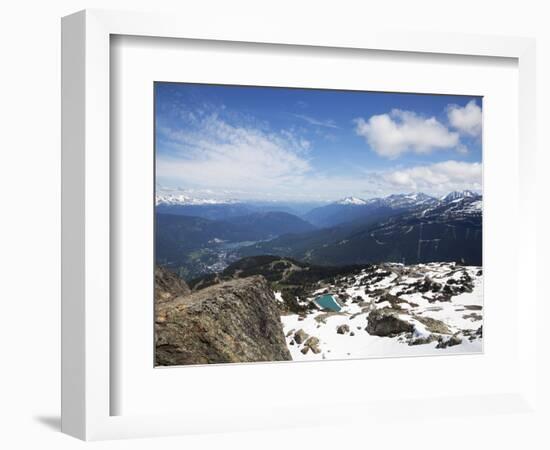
393,200
354,208
181,199
351,201
408,200
459,195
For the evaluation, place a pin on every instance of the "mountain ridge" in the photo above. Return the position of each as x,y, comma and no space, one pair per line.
353,208
448,231
410,228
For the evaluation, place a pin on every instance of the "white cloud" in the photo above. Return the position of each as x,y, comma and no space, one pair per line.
217,155
218,159
437,178
398,132
466,120
433,179
314,121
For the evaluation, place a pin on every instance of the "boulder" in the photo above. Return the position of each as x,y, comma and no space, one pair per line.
234,321
450,341
474,317
387,322
300,336
342,329
423,340
313,344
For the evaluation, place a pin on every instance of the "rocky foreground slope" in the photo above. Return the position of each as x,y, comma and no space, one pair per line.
234,321
275,309
168,286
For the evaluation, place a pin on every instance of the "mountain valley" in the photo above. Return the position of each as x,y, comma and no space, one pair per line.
405,228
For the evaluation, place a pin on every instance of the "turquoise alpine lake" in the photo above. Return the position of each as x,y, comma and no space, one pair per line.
327,302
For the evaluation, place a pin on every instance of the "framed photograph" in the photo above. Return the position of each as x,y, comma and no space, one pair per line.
298,224
262,207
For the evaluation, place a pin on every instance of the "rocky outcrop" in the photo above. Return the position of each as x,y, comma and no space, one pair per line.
235,321
168,285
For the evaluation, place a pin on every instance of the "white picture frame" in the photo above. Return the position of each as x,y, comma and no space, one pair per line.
87,386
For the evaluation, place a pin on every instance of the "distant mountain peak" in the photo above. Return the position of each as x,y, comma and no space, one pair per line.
182,199
408,200
392,201
410,195
418,196
458,195
351,201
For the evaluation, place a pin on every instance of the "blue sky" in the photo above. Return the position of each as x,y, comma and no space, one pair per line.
256,143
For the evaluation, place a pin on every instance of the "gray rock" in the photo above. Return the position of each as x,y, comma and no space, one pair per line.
168,286
423,340
313,344
451,341
474,317
300,336
386,322
235,321
342,329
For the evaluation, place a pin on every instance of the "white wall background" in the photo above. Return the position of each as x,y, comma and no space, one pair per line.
29,225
